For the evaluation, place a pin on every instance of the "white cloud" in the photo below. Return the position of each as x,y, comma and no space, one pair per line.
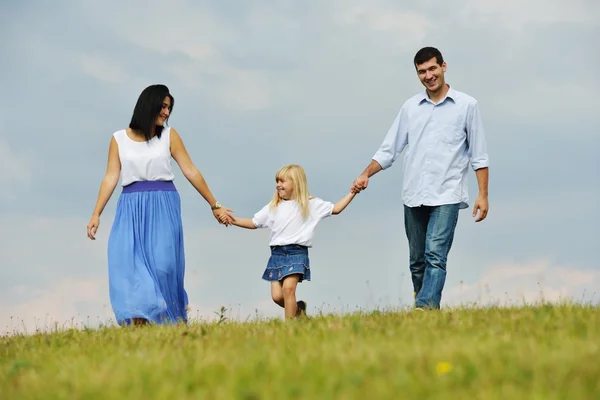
67,302
388,18
195,32
567,99
246,91
15,172
516,15
512,283
102,68
14,167
78,303
190,30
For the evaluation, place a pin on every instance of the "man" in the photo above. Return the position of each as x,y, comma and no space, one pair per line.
442,133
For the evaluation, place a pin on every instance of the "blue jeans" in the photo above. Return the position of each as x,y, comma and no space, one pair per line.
430,231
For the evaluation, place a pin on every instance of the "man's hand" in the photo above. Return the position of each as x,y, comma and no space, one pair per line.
481,204
360,183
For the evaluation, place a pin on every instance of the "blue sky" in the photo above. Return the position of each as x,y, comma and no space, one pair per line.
260,84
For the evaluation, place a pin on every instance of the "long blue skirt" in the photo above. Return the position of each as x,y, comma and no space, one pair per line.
146,261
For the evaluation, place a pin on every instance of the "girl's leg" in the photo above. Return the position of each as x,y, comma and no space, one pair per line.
289,295
277,293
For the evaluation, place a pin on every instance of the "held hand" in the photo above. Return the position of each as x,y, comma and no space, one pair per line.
222,215
92,227
226,219
481,204
360,184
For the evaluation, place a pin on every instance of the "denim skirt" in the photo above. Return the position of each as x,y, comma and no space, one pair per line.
287,260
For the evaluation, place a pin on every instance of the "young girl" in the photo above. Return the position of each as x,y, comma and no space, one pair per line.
292,217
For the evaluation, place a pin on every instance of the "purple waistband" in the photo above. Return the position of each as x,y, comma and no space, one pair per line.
149,186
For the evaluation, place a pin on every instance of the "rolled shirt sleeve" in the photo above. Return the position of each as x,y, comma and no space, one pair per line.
394,142
477,150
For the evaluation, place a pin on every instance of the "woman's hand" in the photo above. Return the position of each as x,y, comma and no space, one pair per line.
92,226
222,215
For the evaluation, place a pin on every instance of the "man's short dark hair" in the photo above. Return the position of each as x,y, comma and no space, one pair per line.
426,54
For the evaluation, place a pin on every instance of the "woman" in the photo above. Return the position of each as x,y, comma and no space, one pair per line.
146,262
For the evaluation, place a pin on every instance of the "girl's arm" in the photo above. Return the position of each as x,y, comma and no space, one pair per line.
341,205
243,223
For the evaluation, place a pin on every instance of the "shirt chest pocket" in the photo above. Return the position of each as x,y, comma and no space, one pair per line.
449,123
449,133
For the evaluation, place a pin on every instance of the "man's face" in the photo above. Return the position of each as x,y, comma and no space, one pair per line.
431,74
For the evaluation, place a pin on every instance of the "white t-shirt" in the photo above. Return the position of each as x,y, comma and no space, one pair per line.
145,161
286,223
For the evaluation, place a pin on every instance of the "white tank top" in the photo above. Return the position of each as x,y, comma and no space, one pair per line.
145,161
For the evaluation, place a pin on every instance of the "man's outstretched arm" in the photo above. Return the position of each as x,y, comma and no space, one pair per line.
393,144
362,181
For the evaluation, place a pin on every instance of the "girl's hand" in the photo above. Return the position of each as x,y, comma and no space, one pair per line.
225,219
92,227
222,215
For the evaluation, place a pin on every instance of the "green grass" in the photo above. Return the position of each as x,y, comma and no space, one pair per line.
529,352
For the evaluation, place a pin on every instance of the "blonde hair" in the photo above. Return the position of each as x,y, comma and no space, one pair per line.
295,173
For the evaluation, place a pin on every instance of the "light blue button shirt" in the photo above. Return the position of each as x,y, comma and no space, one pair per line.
440,140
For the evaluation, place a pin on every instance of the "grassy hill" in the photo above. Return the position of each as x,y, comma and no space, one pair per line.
530,352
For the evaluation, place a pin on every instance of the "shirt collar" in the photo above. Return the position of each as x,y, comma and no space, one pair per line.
450,95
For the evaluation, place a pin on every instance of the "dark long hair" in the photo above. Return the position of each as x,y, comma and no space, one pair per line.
147,108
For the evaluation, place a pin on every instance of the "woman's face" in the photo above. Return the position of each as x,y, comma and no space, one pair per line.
165,111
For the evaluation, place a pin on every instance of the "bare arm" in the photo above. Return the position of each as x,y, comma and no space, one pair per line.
343,203
482,175
373,168
243,223
482,203
107,187
111,178
393,144
189,170
192,174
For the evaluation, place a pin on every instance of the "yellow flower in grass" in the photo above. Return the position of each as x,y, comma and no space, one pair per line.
443,368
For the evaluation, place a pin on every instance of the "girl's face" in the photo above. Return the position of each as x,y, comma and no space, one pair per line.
285,188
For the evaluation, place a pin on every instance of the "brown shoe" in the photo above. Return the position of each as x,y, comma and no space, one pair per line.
301,311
